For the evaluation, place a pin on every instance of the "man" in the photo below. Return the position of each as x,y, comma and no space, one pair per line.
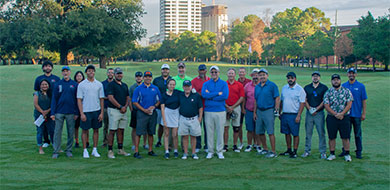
197,84
181,76
190,118
315,114
118,96
244,81
267,106
248,104
146,98
293,100
233,109
110,78
338,102
90,100
215,92
161,83
64,107
47,68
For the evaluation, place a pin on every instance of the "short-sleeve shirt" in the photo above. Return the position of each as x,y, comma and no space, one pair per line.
197,84
171,101
292,98
265,95
146,96
119,91
52,79
161,83
90,92
244,82
131,92
105,84
250,96
359,94
44,102
179,81
338,99
236,91
190,105
315,96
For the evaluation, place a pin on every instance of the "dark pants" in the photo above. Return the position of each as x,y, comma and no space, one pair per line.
357,130
199,138
46,134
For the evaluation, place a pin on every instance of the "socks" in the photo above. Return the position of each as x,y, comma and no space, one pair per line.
347,152
120,145
109,147
175,150
295,151
332,152
167,151
289,150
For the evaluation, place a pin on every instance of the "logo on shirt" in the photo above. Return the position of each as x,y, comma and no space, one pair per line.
192,100
153,89
71,86
53,80
356,88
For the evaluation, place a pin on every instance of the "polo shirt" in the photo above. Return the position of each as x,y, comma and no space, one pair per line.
192,104
179,81
315,96
292,97
213,101
120,93
359,94
105,83
338,99
64,99
265,95
52,79
244,82
131,92
249,90
236,91
90,93
146,96
161,83
171,101
197,84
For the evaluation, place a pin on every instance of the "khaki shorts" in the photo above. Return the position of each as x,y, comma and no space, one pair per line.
189,126
235,122
116,119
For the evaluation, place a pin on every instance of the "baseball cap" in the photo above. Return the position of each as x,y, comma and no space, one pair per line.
148,73
138,74
263,70
202,67
118,70
65,68
47,62
165,66
187,83
91,67
214,67
291,74
352,70
255,70
335,76
316,73
181,64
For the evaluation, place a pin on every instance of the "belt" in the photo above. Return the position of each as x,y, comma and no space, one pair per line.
189,118
290,113
264,109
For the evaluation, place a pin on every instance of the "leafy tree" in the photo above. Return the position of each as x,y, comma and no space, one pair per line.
234,52
186,45
318,45
206,45
286,49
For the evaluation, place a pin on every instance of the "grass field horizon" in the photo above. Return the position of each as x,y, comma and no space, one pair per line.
23,168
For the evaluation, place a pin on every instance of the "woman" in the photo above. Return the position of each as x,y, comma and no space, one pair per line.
42,102
170,115
78,77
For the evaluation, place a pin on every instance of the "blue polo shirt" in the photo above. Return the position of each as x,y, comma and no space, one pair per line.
52,79
213,101
146,96
265,95
359,94
64,99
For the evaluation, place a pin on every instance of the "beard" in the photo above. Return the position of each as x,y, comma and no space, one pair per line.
336,86
291,83
47,70
316,82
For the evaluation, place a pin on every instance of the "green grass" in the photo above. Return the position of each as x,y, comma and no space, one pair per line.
23,168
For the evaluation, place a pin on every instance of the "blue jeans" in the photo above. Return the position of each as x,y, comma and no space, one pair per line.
48,126
357,130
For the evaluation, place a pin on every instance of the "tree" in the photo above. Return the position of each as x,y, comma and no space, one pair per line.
186,45
343,47
286,48
206,45
318,45
234,52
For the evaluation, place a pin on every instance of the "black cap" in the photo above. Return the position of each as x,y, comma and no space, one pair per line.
202,67
181,64
335,76
90,67
47,62
138,74
291,74
148,73
118,70
351,70
316,73
187,83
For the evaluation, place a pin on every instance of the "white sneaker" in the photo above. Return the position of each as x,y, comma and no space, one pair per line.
220,155
197,150
304,155
45,145
348,158
85,153
95,153
184,157
331,157
248,148
259,149
209,155
195,157
240,146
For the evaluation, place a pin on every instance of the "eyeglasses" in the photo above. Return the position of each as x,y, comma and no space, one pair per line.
213,72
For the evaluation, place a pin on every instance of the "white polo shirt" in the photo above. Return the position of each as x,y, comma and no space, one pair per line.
292,98
90,93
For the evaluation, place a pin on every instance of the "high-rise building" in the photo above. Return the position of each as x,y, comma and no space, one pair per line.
215,18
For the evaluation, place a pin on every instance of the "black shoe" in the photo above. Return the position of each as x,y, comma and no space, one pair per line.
293,155
151,153
235,149
87,144
77,145
287,153
136,155
158,144
359,155
176,154
225,148
166,156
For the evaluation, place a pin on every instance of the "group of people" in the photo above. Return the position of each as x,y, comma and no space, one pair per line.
180,105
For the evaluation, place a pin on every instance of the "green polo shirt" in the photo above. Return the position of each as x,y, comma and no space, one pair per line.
179,81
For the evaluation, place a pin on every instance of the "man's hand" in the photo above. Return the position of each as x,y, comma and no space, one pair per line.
123,109
53,117
298,119
254,116
229,109
243,111
363,117
75,117
220,93
207,91
339,116
100,118
83,117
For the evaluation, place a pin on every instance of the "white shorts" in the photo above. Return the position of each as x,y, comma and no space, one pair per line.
235,122
171,117
189,126
116,119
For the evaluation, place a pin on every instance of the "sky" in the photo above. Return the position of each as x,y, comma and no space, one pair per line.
348,11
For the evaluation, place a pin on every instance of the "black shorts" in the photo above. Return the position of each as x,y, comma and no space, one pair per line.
133,120
333,125
92,121
146,124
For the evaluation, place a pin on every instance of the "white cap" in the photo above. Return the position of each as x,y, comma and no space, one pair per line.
165,66
255,70
214,67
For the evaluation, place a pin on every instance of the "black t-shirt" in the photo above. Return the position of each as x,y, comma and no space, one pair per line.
315,96
120,93
171,101
161,85
190,105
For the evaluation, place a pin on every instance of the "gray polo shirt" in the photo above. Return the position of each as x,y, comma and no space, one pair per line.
90,93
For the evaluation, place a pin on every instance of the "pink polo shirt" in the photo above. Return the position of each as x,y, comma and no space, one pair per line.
250,96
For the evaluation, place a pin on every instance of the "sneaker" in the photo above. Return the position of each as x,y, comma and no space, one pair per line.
348,158
287,153
331,157
235,148
184,157
122,152
248,148
146,147
195,157
95,153
293,155
166,156
240,146
136,155
262,152
69,154
151,153
176,154
55,156
209,156
220,156
323,156
77,145
259,149
45,145
111,154
133,147
85,154
304,155
271,155
225,148
41,151
197,150
158,144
